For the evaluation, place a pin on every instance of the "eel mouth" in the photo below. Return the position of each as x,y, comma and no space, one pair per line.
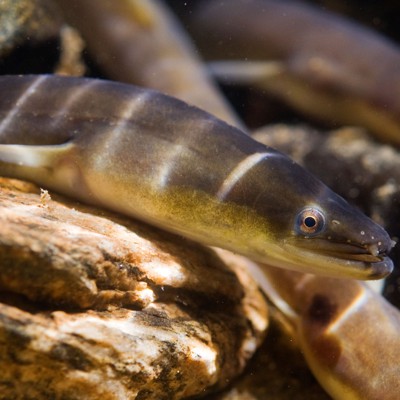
370,253
372,258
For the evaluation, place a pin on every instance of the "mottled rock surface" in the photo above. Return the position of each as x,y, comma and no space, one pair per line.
96,306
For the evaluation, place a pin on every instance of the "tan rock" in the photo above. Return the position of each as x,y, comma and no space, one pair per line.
97,306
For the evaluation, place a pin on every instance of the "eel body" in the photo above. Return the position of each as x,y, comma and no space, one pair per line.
348,333
158,159
146,35
322,64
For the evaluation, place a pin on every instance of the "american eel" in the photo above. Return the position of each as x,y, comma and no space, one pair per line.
320,63
348,333
142,43
155,158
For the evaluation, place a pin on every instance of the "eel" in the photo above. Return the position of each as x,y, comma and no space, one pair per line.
348,333
139,41
321,64
155,158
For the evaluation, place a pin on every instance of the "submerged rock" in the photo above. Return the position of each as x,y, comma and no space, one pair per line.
94,305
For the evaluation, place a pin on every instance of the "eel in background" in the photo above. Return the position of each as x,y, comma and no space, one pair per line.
320,63
348,333
155,158
141,42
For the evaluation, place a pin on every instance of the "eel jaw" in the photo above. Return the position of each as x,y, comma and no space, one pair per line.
342,260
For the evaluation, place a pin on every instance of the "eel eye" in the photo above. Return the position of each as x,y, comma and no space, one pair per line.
310,221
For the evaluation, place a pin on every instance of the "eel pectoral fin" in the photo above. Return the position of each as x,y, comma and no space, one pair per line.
245,72
34,156
36,163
